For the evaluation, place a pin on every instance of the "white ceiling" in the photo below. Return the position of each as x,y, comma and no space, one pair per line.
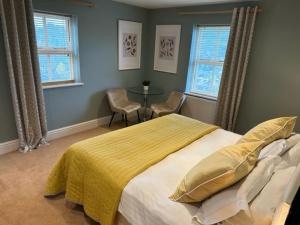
154,4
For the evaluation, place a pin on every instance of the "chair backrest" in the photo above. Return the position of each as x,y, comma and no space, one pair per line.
175,100
116,97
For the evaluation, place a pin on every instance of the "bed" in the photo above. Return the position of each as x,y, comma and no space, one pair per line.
144,199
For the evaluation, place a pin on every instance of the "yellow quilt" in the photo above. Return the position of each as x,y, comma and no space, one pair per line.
94,172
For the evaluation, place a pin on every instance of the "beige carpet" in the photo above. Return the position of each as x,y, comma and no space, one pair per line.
22,181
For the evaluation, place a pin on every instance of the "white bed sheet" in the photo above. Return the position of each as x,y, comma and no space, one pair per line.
145,199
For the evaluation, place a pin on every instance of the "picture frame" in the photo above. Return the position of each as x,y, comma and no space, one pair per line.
167,42
129,44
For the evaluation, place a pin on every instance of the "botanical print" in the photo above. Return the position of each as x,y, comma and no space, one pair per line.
167,41
167,47
129,45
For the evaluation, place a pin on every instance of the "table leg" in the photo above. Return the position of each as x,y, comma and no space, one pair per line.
145,107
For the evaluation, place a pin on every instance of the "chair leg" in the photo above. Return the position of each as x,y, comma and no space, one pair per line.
126,120
138,114
112,117
152,114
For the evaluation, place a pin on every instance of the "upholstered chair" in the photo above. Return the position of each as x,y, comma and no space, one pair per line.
119,103
172,105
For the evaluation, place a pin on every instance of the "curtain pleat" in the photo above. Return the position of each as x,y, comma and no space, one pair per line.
235,66
24,73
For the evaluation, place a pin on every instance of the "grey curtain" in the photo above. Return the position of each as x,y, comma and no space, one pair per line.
24,73
235,66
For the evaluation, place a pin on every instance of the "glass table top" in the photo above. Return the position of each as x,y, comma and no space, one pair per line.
151,91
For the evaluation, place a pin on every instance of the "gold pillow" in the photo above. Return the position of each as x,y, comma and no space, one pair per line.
218,171
270,130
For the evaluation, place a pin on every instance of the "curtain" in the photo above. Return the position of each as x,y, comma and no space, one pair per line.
24,72
235,66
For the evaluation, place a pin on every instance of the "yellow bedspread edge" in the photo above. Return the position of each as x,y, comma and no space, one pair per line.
94,172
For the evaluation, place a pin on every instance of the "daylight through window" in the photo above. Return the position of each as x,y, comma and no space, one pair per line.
55,48
207,56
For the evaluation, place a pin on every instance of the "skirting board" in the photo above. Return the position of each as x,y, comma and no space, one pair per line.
13,145
9,146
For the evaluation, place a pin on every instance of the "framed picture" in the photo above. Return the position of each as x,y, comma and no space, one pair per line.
130,40
166,48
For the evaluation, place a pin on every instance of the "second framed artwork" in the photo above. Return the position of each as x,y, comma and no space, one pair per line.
167,42
130,40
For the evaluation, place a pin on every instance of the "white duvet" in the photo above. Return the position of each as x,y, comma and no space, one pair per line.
145,199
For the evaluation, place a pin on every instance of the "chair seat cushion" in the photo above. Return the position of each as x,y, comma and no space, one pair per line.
161,108
129,107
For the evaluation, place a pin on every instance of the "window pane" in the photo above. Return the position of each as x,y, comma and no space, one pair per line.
55,67
206,60
207,79
60,67
212,42
202,78
43,60
57,33
223,38
56,55
207,44
216,80
40,31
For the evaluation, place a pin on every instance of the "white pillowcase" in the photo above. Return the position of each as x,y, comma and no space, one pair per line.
292,141
279,147
234,199
275,148
290,158
264,205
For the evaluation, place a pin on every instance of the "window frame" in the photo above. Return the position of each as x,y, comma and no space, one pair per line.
193,61
72,50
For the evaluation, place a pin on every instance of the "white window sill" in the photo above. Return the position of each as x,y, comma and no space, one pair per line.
62,85
210,98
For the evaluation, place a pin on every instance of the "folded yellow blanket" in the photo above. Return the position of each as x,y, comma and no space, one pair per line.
94,172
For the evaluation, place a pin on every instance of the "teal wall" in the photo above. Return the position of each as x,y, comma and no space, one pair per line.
97,30
272,86
272,82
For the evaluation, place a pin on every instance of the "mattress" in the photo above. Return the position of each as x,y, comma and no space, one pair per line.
145,201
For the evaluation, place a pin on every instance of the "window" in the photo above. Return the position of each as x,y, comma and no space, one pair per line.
208,49
57,48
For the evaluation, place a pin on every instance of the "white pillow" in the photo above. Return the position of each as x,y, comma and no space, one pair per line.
290,158
292,141
275,148
232,200
279,147
264,205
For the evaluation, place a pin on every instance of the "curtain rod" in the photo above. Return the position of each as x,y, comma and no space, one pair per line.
211,12
82,3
